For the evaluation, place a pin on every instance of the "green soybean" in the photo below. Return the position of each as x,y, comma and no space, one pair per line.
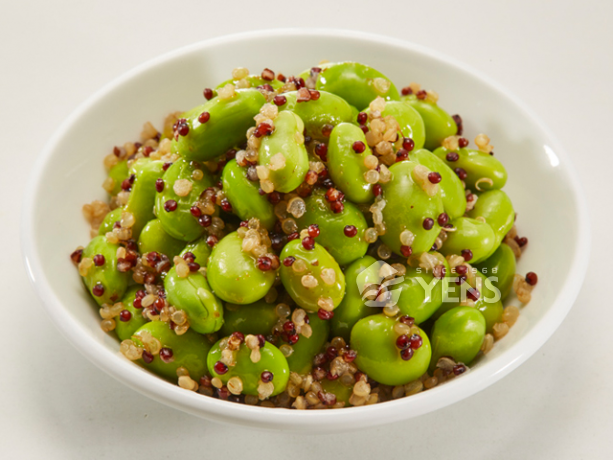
272,360
471,234
180,223
459,334
316,260
438,123
125,329
118,173
109,220
254,318
421,293
340,390
328,110
189,351
233,273
488,303
496,208
407,206
153,237
301,359
346,167
200,249
452,190
501,265
228,123
193,295
244,197
287,140
142,197
361,274
254,82
374,340
411,123
113,282
357,83
478,165
332,225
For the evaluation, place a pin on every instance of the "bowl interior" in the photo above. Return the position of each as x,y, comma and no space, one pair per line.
70,172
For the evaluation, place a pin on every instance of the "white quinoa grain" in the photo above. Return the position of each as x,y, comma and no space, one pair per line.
499,330
227,92
328,276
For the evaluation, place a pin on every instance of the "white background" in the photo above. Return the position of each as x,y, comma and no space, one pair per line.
556,55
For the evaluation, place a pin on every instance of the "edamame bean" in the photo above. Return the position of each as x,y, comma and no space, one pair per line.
341,391
409,207
142,197
359,275
109,220
125,329
421,293
118,173
188,350
286,140
153,237
200,249
496,208
438,123
471,234
357,83
254,318
332,226
501,265
459,334
174,209
103,280
452,190
244,197
411,123
233,273
249,372
346,166
329,110
254,81
488,302
374,339
480,167
226,125
301,359
314,280
193,295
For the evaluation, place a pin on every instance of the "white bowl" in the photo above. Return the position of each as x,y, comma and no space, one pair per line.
545,192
